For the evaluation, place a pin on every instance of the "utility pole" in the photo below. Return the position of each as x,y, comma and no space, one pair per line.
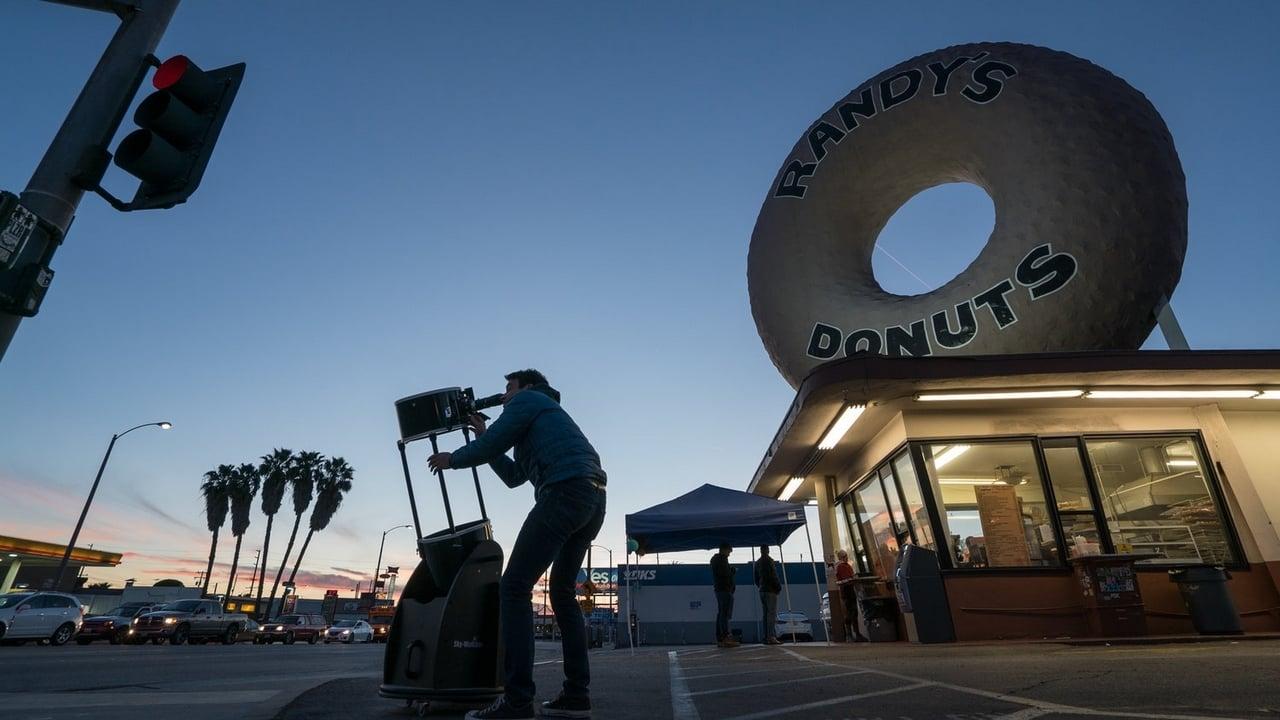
257,557
52,193
200,579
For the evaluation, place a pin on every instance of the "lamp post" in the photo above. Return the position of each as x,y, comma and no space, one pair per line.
611,567
66,556
377,570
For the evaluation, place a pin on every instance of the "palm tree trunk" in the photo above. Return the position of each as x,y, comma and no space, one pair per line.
262,575
213,548
235,562
301,552
275,585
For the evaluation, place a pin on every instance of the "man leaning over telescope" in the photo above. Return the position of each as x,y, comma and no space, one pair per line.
553,455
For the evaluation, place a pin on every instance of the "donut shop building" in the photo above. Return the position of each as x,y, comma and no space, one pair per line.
1014,467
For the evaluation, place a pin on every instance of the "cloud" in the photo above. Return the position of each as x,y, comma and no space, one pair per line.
349,571
344,531
151,507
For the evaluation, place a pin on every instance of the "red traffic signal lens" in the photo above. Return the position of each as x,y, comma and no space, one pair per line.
170,72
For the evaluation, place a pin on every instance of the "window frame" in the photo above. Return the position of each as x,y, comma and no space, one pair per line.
850,495
1212,480
1046,485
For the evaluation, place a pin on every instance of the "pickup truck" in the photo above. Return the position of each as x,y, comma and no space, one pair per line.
196,620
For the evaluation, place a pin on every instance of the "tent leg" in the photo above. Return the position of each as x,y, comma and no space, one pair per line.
813,563
631,641
786,585
753,575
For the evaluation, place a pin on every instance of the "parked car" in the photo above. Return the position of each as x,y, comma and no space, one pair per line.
349,631
43,616
793,626
291,628
249,633
112,625
196,620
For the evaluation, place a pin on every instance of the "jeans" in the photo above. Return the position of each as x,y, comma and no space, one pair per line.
556,534
850,601
769,601
724,613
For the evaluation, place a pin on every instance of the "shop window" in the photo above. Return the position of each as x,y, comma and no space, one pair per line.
1156,499
1070,485
877,527
917,512
993,502
843,538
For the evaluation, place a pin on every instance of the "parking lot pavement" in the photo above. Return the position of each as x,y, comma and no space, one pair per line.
109,682
964,682
892,682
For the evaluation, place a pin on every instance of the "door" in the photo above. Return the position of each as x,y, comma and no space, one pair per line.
26,620
45,616
61,610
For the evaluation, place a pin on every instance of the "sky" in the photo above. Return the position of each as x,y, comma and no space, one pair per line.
420,195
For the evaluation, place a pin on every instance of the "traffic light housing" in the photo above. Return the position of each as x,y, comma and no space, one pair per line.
178,126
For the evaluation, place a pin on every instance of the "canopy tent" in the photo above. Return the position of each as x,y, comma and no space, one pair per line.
707,517
704,518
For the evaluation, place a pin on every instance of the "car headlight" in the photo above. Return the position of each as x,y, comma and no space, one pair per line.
279,627
346,632
170,621
109,623
134,621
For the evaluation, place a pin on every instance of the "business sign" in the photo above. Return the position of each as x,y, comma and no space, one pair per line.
1089,194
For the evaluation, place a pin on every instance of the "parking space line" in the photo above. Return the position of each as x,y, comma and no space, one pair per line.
1047,707
756,669
1025,714
788,681
682,707
825,703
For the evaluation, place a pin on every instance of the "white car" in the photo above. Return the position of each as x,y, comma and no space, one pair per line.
51,616
793,626
349,631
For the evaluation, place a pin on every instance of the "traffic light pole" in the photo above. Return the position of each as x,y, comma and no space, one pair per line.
53,193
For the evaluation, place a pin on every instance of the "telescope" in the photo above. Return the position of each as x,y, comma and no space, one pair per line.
444,645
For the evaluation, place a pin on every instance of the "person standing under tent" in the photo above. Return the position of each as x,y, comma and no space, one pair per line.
849,598
722,578
766,577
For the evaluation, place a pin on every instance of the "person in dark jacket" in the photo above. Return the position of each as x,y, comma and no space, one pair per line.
722,578
553,456
766,576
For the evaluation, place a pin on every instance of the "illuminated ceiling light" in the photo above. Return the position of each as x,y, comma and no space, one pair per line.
1268,395
813,501
951,453
1001,395
841,426
969,481
792,486
1182,463
1156,394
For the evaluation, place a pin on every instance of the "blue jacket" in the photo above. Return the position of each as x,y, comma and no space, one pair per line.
549,446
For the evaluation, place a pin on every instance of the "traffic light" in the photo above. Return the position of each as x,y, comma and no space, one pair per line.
178,125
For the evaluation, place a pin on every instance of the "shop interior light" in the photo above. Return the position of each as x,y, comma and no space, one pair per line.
1268,395
792,486
951,453
1000,395
1181,463
1158,394
841,426
969,481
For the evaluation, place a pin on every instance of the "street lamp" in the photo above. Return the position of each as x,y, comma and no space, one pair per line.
611,566
377,570
66,556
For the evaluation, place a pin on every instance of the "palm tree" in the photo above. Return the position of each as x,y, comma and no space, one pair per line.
333,483
242,488
275,472
306,468
216,497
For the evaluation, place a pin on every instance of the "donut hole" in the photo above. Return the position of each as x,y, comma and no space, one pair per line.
932,238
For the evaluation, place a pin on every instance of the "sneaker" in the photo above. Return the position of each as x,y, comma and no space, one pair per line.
567,707
502,710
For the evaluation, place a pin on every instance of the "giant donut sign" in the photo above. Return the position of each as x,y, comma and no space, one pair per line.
1090,204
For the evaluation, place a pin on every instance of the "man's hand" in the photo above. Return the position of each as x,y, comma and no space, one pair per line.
476,421
440,461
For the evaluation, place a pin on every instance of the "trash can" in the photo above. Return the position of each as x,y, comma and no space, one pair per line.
921,596
1204,592
879,617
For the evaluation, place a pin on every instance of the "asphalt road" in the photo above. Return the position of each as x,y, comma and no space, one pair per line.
201,682
897,681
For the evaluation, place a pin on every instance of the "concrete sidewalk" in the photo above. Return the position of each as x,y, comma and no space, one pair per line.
1185,681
